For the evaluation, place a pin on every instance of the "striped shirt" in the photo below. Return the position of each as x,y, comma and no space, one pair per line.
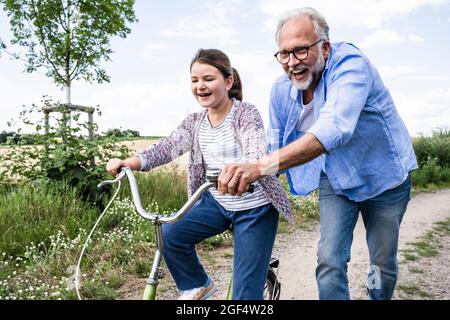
219,146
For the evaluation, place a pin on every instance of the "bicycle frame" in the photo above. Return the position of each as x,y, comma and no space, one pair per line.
158,220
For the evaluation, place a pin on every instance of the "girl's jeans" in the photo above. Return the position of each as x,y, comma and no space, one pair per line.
253,232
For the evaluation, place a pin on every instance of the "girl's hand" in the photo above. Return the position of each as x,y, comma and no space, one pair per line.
114,165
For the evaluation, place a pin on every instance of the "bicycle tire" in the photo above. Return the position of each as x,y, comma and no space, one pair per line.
272,287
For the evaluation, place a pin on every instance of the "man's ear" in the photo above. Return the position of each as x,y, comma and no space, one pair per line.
326,49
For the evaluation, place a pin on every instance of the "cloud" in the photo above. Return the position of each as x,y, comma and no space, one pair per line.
386,37
415,38
424,111
215,23
258,71
150,49
13,99
368,13
396,71
152,108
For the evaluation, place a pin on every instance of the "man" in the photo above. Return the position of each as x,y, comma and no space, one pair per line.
339,130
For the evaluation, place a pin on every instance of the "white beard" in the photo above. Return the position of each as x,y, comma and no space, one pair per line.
315,70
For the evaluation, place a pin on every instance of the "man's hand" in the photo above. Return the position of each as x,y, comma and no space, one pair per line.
236,178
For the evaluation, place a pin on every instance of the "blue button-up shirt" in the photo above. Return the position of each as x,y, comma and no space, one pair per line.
368,148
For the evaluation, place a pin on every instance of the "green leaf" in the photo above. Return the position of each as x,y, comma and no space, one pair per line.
68,38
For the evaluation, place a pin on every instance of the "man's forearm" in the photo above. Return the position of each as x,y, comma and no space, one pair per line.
299,152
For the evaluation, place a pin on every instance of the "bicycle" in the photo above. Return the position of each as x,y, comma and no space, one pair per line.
272,286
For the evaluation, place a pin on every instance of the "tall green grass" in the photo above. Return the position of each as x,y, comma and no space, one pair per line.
42,229
166,187
34,212
31,213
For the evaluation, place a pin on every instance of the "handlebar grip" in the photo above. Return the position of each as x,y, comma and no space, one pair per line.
212,175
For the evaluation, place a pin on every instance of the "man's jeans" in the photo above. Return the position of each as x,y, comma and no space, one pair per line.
382,216
253,232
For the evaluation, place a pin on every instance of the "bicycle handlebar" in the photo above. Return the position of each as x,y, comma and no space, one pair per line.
127,172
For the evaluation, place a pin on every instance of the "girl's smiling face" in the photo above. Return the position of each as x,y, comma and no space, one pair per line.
209,86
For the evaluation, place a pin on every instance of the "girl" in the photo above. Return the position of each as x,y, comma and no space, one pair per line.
227,131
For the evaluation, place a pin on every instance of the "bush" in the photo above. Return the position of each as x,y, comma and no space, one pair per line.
436,147
118,133
431,173
433,157
5,135
63,157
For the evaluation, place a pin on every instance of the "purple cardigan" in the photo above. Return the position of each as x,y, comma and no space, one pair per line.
249,131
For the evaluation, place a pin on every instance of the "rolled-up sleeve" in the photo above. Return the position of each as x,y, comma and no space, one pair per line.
347,92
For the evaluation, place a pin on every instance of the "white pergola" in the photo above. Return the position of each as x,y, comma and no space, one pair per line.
63,108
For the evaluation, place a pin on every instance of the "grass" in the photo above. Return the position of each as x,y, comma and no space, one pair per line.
415,270
305,209
165,187
413,290
31,213
427,246
42,228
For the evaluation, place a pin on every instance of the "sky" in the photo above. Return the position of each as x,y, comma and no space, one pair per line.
407,40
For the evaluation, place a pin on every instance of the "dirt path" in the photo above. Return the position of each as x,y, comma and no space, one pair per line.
297,253
298,262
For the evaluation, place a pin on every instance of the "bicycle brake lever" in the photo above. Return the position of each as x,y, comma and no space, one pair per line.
119,177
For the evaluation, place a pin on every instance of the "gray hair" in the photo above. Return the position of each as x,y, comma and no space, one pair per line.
320,24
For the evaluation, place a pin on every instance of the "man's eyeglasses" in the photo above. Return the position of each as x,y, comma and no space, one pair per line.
300,53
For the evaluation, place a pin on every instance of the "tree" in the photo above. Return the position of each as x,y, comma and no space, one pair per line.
2,47
69,38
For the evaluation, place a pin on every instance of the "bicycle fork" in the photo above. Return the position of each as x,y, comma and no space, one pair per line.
156,272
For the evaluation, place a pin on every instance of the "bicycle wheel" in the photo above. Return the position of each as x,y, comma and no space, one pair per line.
272,288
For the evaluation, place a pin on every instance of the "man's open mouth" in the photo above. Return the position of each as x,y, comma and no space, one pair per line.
299,72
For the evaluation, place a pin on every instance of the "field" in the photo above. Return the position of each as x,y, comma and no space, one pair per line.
137,145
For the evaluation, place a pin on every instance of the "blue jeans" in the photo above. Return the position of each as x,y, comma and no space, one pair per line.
254,235
382,216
